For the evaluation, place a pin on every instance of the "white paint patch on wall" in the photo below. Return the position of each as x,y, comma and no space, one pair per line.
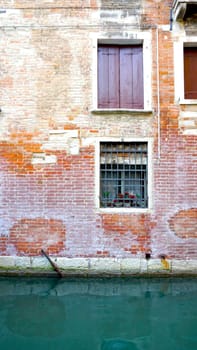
42,158
63,140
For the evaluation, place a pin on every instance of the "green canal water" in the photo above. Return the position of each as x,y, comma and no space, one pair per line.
98,314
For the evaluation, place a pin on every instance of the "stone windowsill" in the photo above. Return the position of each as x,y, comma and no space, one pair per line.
188,102
124,210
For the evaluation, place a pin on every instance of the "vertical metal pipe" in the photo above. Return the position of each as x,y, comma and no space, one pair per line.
158,95
171,20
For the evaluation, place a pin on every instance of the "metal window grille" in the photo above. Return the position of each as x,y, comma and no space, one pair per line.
123,174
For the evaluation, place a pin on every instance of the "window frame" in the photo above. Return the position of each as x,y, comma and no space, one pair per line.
138,38
179,69
149,142
186,80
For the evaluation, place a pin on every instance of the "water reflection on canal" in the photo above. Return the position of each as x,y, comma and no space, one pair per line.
98,314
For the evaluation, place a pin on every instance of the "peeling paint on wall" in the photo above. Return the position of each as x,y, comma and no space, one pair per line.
29,236
184,223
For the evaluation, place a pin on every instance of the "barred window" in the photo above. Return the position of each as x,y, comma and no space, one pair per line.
123,174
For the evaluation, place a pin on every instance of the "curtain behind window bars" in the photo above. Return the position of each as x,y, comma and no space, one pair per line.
123,174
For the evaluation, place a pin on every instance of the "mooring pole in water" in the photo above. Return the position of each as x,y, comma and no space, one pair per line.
55,267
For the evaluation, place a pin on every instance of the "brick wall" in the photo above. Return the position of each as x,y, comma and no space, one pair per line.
49,135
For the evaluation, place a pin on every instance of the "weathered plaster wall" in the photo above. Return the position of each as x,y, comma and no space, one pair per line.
48,134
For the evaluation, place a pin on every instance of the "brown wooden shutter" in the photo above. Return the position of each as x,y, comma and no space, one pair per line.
126,78
120,77
103,68
131,78
114,83
138,80
190,72
108,77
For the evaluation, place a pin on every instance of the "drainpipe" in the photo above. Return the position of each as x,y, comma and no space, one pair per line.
158,97
171,20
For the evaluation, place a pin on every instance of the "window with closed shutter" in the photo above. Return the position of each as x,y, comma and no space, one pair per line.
120,77
190,72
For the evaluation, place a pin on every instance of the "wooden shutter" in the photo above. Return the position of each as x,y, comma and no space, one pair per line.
108,77
131,77
190,72
138,81
120,77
